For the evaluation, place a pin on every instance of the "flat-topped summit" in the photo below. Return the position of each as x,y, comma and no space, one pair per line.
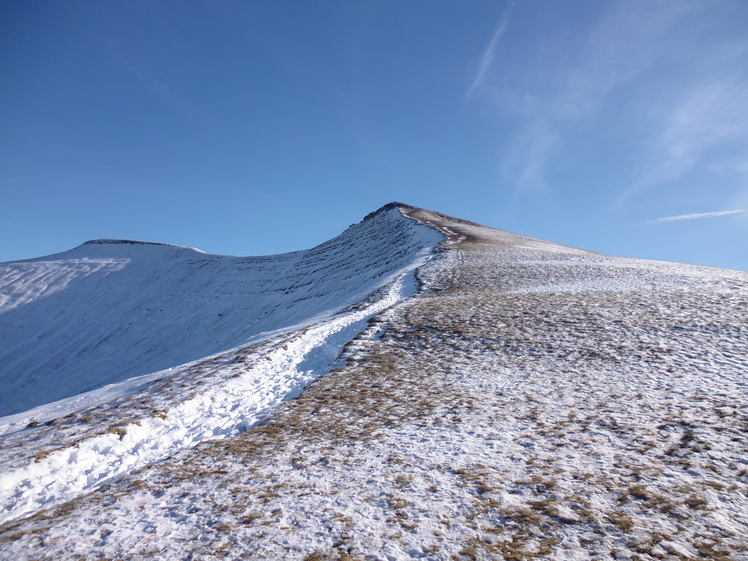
136,242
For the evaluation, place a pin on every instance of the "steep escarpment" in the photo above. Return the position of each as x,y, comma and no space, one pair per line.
307,304
113,309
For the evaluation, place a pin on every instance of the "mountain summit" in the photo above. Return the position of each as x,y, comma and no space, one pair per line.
419,387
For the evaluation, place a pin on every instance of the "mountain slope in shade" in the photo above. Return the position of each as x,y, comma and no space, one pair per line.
530,400
109,310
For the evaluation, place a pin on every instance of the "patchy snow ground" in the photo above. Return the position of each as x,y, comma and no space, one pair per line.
223,410
530,401
114,430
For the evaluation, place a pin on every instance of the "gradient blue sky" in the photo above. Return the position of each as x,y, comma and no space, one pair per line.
258,127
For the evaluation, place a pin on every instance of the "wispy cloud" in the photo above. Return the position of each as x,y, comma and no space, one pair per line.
712,114
526,155
696,216
578,78
490,52
628,39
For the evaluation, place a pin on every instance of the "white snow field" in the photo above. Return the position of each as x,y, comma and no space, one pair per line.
521,400
380,253
110,310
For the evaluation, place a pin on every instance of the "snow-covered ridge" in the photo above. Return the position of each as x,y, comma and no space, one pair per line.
109,310
137,242
224,410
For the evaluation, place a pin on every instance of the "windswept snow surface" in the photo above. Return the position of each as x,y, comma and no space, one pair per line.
222,411
110,310
177,303
530,401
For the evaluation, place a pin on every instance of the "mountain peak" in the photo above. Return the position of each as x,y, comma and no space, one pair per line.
385,208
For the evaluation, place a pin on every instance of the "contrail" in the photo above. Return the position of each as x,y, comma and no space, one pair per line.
490,51
695,216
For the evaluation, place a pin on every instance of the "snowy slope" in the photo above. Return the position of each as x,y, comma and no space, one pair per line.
237,390
110,310
530,400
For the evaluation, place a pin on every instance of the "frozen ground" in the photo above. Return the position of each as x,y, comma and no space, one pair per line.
48,458
530,401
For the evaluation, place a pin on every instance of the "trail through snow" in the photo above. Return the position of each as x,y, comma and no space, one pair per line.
111,310
530,401
223,411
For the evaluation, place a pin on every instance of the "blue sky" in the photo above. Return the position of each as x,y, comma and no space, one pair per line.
262,127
